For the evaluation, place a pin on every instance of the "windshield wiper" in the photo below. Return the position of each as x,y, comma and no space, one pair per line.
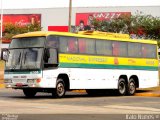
18,62
25,57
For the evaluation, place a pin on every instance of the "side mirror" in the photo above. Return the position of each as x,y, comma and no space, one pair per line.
4,54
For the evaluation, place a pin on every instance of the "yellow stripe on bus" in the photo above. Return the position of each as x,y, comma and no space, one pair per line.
89,59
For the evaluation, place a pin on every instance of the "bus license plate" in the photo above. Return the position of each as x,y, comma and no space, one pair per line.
19,84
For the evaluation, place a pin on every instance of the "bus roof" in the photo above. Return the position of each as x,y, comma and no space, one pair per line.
88,34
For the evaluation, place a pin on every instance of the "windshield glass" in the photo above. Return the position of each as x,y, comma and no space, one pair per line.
32,58
29,58
14,59
27,42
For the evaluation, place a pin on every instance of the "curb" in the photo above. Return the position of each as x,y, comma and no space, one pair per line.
79,91
148,94
2,86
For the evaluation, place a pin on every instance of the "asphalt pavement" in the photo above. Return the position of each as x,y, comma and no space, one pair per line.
148,92
77,105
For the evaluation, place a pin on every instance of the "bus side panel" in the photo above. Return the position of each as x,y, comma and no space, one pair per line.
108,78
148,79
83,78
50,76
92,79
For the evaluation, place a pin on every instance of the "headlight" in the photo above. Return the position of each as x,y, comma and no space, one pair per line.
7,81
30,80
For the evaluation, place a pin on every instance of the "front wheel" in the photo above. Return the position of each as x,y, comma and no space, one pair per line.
29,92
122,87
60,89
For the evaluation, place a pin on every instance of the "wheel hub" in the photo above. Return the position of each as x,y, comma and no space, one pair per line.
60,89
122,87
131,87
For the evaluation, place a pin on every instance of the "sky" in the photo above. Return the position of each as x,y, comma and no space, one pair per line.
19,4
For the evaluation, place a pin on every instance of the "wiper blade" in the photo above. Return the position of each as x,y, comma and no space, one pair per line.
18,62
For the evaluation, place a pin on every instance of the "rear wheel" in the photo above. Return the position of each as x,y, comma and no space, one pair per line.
122,86
29,92
131,87
60,89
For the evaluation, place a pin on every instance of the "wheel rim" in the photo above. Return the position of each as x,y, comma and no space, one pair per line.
60,89
122,87
132,87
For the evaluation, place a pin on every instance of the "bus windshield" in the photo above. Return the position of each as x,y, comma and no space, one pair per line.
25,53
29,58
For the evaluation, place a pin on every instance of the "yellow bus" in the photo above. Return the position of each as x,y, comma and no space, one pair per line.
56,62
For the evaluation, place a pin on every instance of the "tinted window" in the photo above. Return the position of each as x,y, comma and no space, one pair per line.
63,44
68,44
52,56
120,49
134,50
72,45
82,45
104,47
149,51
86,45
52,41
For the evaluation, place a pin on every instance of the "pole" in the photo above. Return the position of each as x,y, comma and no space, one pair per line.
1,23
70,12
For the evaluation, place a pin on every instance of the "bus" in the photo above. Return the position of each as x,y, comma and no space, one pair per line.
56,62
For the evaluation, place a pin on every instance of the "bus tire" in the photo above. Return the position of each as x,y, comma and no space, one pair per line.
131,87
60,89
29,92
122,87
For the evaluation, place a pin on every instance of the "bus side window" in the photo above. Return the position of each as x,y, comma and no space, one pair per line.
82,45
115,46
53,56
123,49
50,58
144,51
63,44
104,47
149,51
72,45
86,46
135,50
52,41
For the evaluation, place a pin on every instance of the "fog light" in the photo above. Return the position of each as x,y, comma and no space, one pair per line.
30,80
7,81
8,86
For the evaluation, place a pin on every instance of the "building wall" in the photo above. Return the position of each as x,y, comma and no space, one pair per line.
59,16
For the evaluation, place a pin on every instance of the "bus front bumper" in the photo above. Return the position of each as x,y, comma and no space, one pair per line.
9,83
